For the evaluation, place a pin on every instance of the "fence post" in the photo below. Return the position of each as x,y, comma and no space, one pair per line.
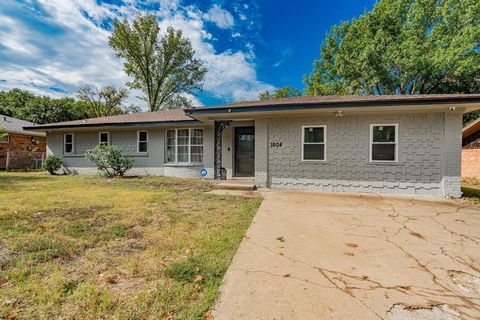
8,160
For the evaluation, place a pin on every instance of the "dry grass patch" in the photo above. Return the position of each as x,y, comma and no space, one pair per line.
137,248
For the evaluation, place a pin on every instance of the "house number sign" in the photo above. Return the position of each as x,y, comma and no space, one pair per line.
275,144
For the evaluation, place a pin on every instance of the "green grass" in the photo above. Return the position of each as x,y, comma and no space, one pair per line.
75,247
471,191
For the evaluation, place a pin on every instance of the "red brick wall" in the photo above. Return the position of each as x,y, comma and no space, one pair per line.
471,163
20,142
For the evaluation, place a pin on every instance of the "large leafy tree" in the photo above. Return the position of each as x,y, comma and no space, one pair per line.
285,92
402,47
105,101
163,67
47,110
13,100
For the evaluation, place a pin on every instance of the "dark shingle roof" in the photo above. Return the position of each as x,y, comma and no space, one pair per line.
350,100
182,115
13,125
172,115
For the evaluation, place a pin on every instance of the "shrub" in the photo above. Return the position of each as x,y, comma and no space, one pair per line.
52,164
110,160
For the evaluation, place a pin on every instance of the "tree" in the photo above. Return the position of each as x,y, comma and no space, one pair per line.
13,100
103,102
402,47
47,110
285,92
3,133
164,69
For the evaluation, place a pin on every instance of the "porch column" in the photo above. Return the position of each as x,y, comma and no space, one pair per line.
219,127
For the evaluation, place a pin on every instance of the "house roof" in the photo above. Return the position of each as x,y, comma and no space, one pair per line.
13,125
145,118
336,101
189,115
471,128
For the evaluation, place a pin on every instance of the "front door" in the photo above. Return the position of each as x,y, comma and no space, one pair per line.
244,151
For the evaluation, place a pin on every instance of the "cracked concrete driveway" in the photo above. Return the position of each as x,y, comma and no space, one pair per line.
339,256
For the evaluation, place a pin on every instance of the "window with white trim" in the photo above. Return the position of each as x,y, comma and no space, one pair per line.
184,146
142,141
314,143
104,138
4,138
68,143
383,142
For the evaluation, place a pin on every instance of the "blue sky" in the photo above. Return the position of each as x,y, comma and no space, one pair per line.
54,46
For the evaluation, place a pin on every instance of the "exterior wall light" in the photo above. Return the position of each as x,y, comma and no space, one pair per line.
339,114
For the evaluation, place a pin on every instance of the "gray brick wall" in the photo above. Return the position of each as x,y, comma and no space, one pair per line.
152,163
418,171
452,155
261,152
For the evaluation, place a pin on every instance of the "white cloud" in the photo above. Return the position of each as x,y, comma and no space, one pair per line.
75,51
221,17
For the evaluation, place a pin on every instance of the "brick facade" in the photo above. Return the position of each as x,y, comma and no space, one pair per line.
470,163
428,158
21,142
429,150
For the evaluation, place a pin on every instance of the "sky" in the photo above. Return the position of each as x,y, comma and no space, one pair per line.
51,47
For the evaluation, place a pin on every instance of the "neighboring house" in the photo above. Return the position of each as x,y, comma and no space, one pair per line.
19,139
471,150
383,144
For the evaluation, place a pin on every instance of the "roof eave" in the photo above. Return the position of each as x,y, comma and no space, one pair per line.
112,125
329,105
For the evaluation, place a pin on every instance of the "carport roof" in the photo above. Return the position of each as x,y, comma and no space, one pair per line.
327,102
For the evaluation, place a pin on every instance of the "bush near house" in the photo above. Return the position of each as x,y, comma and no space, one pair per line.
52,164
110,160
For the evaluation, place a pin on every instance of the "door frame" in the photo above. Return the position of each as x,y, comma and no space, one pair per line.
234,158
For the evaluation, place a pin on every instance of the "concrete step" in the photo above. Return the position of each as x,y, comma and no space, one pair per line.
246,185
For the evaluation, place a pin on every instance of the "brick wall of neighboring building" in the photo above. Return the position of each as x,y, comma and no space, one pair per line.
21,142
471,163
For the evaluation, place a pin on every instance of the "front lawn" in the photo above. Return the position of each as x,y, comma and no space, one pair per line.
75,247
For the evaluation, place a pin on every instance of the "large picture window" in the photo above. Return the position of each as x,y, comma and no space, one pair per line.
383,142
184,146
68,143
314,143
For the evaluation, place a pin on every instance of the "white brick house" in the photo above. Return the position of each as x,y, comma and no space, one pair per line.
382,144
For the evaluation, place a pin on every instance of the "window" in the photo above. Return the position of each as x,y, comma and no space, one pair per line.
314,143
104,138
68,142
184,146
4,138
142,138
383,142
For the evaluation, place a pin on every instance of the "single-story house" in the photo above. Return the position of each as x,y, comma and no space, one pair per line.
383,144
471,150
19,139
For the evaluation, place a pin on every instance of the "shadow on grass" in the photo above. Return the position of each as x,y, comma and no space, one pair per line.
469,192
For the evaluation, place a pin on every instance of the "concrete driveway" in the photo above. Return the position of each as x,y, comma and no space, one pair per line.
339,256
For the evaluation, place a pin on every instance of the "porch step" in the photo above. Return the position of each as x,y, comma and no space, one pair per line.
247,185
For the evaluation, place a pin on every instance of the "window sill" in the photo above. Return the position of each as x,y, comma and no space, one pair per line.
385,163
183,164
313,161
